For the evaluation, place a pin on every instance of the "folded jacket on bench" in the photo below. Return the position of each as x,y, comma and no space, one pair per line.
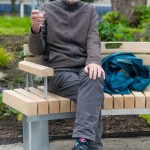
125,72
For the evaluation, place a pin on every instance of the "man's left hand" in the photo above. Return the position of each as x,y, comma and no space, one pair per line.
94,71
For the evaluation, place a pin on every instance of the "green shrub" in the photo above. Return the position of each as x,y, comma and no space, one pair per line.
21,55
142,15
2,107
18,79
106,31
146,32
146,117
116,32
1,104
115,17
128,33
5,57
115,27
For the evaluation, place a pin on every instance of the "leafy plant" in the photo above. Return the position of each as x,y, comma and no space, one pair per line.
106,31
19,117
1,104
18,79
5,57
142,15
146,32
115,27
146,117
21,55
115,17
116,32
3,109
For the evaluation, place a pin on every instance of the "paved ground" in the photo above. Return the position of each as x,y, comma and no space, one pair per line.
142,143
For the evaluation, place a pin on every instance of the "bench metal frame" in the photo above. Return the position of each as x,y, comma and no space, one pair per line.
36,128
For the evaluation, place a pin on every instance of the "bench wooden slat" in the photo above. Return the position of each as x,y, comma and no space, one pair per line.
20,102
73,106
42,103
118,101
139,99
53,101
65,104
145,58
73,103
108,102
134,47
128,101
147,95
36,69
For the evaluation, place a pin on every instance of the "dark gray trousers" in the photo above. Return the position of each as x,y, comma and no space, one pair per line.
75,84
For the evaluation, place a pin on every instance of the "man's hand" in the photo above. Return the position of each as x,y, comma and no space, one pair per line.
36,20
94,71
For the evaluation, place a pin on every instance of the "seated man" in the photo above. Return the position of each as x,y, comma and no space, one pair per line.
69,43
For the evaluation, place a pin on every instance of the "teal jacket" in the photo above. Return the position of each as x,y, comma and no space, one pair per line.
125,72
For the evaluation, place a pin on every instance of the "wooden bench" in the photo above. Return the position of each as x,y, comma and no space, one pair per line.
38,106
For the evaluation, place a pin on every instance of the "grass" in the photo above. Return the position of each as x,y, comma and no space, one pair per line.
14,25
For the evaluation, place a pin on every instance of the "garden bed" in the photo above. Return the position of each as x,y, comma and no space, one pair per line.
114,126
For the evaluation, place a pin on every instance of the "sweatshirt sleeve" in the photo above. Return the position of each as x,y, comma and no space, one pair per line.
36,41
93,42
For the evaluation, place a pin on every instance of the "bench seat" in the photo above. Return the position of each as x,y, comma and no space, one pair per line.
32,102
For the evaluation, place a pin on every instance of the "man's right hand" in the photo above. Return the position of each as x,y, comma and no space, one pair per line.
36,20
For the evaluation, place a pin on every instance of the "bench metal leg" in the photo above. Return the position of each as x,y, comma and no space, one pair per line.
35,135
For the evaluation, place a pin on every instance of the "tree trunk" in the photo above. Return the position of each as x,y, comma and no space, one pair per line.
126,7
13,5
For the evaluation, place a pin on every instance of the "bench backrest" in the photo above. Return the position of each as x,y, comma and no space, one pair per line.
140,49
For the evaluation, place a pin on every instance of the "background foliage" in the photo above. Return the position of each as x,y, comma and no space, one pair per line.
14,25
115,27
5,57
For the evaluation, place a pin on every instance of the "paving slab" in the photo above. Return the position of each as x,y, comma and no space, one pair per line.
142,143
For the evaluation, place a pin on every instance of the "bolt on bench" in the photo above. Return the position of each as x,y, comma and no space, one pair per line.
38,105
